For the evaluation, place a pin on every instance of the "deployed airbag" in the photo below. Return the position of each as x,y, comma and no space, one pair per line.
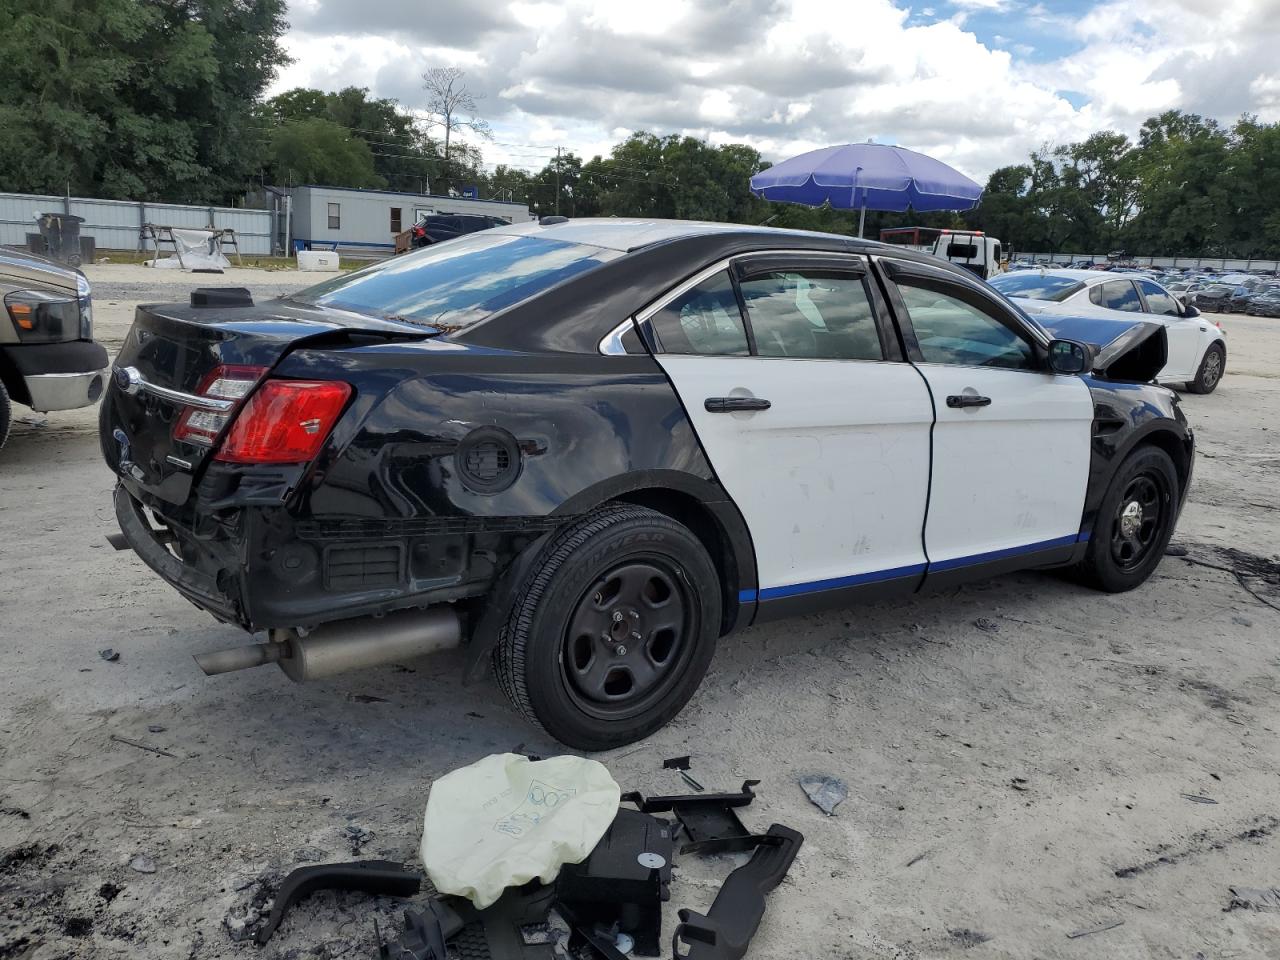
506,820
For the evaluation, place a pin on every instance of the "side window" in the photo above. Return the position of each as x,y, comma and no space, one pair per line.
951,331
702,320
395,220
1119,295
335,216
1159,301
811,314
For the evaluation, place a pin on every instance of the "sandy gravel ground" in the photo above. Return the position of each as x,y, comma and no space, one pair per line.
1085,759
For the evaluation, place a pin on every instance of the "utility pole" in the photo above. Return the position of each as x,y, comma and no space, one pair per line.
557,181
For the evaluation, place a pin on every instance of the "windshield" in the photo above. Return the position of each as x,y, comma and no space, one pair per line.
458,282
1036,286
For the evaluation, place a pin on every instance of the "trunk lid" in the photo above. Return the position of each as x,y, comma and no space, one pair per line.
177,347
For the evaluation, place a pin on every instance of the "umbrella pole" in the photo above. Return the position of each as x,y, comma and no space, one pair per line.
862,220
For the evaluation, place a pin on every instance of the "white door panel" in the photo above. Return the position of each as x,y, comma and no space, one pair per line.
1188,340
833,478
1011,474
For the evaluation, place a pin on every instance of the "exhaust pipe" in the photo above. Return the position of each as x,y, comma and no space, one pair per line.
343,645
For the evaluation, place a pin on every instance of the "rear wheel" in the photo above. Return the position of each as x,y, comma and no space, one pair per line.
612,632
6,415
1134,523
1211,369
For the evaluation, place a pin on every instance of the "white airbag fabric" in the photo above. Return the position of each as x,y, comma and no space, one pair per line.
506,819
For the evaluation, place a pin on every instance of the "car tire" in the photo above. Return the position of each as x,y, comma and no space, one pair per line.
621,572
1212,367
6,415
1128,542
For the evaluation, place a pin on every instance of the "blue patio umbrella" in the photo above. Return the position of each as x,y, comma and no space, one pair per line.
863,176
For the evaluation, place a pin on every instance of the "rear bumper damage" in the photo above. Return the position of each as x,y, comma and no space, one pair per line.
259,567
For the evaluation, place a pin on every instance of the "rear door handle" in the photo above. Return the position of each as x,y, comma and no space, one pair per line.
956,401
735,404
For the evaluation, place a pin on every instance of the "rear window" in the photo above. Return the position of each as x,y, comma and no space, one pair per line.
460,282
1036,286
961,251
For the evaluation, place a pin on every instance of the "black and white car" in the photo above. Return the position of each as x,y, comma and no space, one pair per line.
1197,345
587,451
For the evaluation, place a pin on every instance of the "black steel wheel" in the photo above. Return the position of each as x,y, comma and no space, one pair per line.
627,639
1138,519
1211,370
613,630
1134,522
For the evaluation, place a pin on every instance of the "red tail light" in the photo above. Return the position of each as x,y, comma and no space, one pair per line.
222,383
285,421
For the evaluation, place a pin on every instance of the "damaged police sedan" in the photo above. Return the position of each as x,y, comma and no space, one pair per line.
585,451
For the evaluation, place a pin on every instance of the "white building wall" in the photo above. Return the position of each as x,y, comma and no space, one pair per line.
364,216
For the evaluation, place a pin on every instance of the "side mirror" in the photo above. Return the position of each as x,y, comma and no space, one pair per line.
1190,312
1070,357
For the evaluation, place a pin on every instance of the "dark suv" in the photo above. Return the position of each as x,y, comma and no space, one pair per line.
445,226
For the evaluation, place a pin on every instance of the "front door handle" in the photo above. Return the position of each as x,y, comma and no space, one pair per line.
956,401
734,404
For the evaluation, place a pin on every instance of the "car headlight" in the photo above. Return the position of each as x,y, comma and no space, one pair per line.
43,317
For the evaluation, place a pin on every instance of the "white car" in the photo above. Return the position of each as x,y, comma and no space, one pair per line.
1197,345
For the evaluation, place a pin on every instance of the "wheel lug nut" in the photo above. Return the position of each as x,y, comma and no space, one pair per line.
636,637
621,650
617,616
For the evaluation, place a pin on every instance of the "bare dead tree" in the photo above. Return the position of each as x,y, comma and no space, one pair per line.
452,105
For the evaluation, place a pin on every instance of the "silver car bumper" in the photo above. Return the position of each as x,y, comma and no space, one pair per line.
65,391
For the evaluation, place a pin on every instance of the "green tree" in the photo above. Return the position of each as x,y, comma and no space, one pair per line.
321,152
403,156
138,99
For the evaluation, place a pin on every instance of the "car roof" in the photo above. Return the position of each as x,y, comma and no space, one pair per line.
1090,278
626,235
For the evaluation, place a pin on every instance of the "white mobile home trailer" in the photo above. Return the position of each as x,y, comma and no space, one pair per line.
365,222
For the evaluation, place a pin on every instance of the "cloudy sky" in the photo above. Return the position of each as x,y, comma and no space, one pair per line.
978,83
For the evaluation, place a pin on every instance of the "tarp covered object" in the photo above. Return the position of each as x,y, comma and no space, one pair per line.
199,252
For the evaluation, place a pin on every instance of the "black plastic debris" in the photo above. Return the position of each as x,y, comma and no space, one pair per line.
825,792
366,876
425,933
725,932
707,819
109,655
611,902
622,885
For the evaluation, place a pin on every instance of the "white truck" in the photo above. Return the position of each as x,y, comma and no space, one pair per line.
971,249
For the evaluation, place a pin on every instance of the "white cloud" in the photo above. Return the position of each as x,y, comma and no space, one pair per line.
791,75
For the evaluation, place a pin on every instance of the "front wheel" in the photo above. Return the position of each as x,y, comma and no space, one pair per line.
1211,369
1134,522
612,632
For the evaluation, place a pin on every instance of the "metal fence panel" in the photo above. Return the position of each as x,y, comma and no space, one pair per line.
116,224
1195,263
